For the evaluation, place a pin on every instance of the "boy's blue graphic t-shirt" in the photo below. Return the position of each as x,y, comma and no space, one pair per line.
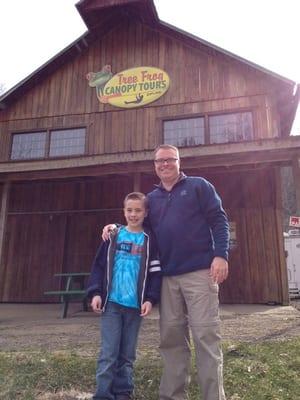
126,268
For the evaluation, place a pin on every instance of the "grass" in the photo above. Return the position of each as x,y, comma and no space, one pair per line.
260,371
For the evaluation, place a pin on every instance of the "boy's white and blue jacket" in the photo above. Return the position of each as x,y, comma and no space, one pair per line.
149,280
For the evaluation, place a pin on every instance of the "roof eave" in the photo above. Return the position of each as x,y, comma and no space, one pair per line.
91,13
52,64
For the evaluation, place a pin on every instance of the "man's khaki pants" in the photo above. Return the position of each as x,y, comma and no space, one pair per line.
190,300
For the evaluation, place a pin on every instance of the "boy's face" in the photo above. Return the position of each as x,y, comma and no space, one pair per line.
135,212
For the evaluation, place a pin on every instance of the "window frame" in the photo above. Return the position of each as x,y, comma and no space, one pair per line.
48,132
36,131
65,130
230,112
182,118
206,116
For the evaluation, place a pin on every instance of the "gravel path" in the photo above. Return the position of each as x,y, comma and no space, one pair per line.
39,327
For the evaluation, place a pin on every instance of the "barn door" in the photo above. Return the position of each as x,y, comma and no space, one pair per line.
33,253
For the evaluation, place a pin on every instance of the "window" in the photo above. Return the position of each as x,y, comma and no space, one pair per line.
28,145
58,143
230,127
209,129
184,132
67,142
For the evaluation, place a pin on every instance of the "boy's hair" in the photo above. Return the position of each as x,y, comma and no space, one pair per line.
137,196
167,147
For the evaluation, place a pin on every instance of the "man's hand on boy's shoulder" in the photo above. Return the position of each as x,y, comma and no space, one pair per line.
96,304
146,308
107,230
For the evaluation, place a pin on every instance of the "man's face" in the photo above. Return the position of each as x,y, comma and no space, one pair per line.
168,169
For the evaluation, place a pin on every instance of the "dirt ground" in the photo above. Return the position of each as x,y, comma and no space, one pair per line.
25,327
39,326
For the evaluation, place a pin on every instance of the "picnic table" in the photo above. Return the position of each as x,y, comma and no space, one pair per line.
74,288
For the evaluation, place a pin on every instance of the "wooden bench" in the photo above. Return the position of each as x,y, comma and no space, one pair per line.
70,292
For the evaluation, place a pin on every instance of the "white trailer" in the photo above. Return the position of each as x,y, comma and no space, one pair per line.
292,249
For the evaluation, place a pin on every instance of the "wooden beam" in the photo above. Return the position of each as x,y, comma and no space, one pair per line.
220,166
296,175
3,219
282,273
266,154
3,212
231,154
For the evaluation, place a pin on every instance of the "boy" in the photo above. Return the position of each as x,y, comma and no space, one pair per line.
124,284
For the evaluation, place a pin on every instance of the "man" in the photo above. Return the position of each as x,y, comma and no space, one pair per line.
192,233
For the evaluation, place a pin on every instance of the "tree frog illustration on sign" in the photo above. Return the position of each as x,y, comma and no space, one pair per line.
99,79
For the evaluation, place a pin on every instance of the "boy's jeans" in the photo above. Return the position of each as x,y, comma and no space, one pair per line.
119,328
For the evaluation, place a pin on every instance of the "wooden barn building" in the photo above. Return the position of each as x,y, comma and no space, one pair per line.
78,134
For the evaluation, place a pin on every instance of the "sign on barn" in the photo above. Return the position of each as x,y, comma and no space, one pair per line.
130,88
295,221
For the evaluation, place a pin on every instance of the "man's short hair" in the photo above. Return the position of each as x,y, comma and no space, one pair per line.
137,196
166,147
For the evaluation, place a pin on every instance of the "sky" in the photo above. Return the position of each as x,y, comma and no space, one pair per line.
265,32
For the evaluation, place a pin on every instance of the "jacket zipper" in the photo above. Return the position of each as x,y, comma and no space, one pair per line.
146,269
107,274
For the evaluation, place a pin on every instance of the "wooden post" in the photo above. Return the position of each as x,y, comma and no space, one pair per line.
296,176
282,273
3,218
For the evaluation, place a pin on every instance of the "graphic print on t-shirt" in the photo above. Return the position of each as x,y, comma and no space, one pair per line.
126,268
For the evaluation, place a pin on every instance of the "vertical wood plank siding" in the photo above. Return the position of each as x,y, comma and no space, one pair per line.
255,264
257,270
67,217
55,227
201,81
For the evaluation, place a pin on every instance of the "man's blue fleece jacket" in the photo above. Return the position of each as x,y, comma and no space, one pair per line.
190,225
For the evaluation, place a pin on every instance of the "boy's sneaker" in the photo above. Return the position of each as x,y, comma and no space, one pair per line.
123,397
